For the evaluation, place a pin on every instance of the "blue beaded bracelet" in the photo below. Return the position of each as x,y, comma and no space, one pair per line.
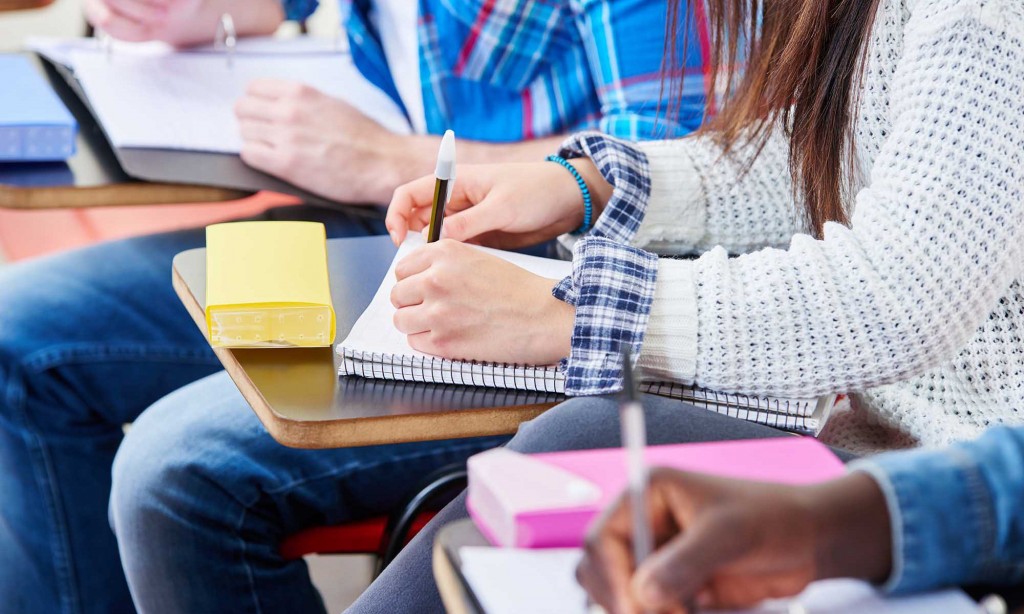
588,205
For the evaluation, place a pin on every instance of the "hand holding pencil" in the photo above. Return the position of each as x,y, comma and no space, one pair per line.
730,544
506,206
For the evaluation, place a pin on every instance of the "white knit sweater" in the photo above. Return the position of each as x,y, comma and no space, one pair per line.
917,308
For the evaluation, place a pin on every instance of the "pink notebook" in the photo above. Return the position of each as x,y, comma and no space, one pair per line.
549,500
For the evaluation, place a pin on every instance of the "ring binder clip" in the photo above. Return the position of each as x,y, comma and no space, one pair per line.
106,43
226,38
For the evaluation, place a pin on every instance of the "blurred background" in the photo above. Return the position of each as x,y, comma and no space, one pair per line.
28,234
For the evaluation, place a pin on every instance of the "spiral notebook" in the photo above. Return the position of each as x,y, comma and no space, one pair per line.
375,349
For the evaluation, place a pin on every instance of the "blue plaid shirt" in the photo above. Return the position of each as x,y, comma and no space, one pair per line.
612,285
511,70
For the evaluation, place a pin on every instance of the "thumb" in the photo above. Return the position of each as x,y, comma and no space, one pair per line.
676,573
471,222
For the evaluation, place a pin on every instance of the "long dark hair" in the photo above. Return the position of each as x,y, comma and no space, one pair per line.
788,61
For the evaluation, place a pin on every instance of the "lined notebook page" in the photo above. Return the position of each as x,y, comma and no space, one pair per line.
375,349
511,581
186,101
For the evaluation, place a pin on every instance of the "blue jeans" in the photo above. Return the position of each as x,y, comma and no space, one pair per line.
88,340
202,498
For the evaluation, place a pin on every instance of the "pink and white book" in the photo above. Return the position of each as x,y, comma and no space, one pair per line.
549,500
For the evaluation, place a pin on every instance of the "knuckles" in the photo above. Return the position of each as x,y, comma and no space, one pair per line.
592,545
291,113
287,162
297,91
456,226
435,281
399,321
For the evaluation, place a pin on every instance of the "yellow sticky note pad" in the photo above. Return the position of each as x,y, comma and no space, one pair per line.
267,285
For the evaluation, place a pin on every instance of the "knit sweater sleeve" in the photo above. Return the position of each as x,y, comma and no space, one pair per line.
684,196
701,199
934,240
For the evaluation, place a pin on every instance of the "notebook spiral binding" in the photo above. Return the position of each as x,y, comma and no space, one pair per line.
805,416
443,396
445,371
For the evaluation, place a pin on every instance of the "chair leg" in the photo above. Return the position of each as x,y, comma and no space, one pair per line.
445,481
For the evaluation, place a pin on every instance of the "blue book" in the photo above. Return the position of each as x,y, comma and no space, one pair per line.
35,126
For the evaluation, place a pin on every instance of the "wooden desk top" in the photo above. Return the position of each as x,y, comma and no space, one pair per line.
299,397
92,177
447,562
23,5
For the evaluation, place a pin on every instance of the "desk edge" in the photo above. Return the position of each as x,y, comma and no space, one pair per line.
118,195
355,432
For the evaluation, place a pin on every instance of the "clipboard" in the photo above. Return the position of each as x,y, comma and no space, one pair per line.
218,170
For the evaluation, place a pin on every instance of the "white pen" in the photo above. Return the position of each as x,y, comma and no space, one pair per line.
444,180
634,439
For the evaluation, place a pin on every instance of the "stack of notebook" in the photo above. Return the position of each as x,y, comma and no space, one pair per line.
375,349
35,126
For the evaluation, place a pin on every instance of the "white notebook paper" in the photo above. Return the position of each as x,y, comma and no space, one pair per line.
512,581
376,349
154,97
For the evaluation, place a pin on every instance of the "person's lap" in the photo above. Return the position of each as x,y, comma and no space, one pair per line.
202,494
583,423
203,497
88,339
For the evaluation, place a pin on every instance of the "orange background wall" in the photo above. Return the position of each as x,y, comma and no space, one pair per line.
24,234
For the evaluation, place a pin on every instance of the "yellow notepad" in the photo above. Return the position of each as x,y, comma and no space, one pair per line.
267,285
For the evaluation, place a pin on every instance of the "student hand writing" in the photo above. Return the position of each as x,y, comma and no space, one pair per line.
731,544
323,144
501,205
458,302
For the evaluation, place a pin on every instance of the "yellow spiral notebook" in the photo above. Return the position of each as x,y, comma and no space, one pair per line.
267,285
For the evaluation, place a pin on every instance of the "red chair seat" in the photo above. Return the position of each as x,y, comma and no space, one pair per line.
362,537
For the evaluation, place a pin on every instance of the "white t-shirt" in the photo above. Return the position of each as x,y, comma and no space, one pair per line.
398,24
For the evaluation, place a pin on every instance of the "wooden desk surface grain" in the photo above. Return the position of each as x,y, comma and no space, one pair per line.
299,397
23,5
92,177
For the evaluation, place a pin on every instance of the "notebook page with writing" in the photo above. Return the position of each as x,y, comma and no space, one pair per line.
376,349
186,101
511,580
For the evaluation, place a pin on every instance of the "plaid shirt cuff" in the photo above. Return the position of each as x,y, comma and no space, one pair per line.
612,287
626,169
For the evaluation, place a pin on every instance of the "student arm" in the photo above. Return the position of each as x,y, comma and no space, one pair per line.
292,131
695,198
909,521
930,249
957,515
624,45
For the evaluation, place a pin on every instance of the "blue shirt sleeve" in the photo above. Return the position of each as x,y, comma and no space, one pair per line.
625,46
957,514
299,10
